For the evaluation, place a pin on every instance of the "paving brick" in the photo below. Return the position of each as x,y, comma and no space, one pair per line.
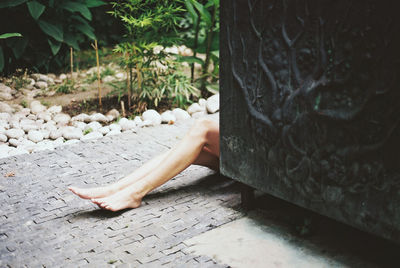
174,249
42,223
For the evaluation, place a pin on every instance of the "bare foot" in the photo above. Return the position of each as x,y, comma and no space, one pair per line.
90,193
126,198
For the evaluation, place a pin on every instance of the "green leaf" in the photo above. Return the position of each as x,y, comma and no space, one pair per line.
317,102
189,59
94,3
215,53
71,40
205,15
86,30
1,59
8,35
214,89
202,47
54,45
17,46
11,3
35,8
211,3
53,30
78,7
190,9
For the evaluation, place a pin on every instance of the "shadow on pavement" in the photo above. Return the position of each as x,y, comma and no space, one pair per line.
316,233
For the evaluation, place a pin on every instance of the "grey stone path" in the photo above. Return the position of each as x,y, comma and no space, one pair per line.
43,224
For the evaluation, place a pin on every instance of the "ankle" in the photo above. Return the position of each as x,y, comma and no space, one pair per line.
138,192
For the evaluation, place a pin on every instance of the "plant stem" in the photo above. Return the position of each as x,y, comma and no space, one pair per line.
98,71
128,80
205,73
138,70
196,40
123,109
72,62
131,81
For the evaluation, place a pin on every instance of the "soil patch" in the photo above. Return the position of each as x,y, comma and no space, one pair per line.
64,99
89,106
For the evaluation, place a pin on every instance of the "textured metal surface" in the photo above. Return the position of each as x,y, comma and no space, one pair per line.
310,106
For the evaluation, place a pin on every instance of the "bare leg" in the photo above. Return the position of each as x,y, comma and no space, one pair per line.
207,159
99,192
204,136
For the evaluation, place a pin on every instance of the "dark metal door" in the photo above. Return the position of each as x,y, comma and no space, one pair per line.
310,105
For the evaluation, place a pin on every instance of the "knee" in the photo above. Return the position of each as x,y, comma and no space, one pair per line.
200,129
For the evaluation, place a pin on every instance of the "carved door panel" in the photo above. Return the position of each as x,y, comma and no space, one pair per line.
310,105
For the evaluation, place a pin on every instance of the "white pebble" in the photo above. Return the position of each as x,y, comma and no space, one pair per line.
202,102
104,130
180,114
35,136
168,117
62,119
213,104
91,135
153,116
55,134
115,126
55,109
79,124
71,141
13,142
3,138
93,126
71,133
98,117
14,133
194,108
81,117
113,132
137,120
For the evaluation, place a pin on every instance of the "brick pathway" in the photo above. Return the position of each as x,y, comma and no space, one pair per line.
43,224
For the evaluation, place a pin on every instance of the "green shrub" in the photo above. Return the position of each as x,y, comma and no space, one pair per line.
149,24
107,71
86,58
177,87
87,131
6,36
91,78
170,84
45,103
24,103
66,87
48,29
201,34
19,80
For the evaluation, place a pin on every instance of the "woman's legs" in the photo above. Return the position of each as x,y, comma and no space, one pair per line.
207,130
104,191
205,158
199,146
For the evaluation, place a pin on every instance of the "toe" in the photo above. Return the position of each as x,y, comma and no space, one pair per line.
72,189
112,208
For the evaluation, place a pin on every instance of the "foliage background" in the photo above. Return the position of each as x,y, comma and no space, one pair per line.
49,28
139,30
